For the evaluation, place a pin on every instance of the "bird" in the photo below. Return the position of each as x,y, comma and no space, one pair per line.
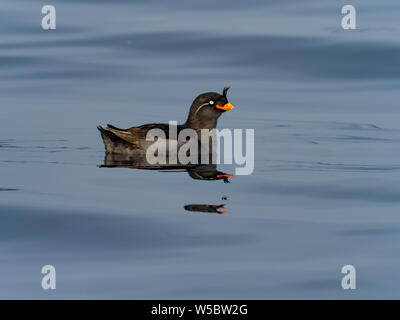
203,114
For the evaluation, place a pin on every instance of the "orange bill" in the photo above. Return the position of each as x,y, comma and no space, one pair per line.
226,107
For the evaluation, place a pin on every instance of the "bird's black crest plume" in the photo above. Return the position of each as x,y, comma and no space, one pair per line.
224,92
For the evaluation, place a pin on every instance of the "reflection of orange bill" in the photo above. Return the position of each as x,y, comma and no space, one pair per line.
225,175
220,207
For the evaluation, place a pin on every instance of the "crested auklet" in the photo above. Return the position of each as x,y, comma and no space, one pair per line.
203,114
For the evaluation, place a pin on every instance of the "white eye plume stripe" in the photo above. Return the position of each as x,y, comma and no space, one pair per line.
204,104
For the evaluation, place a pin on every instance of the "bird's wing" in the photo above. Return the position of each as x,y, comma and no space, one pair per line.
135,134
132,135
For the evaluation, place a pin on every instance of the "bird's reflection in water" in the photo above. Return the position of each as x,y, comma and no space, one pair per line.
206,208
196,171
139,161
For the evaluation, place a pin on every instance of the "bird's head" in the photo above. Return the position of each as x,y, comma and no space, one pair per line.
207,108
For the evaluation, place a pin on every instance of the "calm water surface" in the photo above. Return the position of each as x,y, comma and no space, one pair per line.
325,190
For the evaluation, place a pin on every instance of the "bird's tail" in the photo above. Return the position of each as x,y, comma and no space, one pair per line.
111,141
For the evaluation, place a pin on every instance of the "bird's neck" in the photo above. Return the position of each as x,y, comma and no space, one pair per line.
198,124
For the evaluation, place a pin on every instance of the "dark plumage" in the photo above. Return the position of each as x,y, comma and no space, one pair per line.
203,114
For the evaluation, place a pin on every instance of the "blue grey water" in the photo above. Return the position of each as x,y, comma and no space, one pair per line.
325,190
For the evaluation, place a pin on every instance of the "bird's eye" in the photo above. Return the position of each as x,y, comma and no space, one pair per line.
211,102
